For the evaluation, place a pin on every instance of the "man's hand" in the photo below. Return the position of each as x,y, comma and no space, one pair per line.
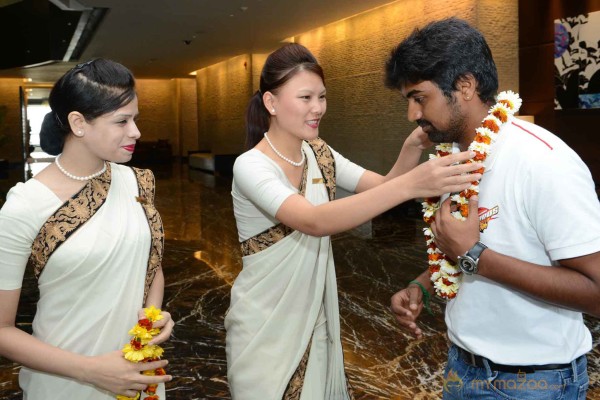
452,236
406,306
419,139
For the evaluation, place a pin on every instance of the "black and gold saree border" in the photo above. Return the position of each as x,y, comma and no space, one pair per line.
68,218
146,188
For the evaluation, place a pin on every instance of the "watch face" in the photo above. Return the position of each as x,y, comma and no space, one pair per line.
467,265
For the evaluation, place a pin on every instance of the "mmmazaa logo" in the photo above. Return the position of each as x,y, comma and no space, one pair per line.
452,383
486,215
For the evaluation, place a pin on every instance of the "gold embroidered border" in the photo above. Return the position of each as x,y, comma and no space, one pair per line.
68,218
294,387
275,233
145,179
326,164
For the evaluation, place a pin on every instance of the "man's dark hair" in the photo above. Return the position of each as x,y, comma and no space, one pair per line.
444,52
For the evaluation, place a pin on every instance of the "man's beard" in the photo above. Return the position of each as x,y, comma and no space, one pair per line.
453,133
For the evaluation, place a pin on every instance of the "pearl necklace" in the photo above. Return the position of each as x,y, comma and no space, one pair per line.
78,178
295,164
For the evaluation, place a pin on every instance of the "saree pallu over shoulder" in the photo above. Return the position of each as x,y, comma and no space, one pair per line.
326,164
80,208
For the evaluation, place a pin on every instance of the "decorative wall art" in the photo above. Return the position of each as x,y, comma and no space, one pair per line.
577,62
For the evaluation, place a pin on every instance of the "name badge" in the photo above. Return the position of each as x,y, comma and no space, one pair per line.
317,181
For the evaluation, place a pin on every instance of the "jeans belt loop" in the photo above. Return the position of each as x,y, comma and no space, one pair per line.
473,362
575,372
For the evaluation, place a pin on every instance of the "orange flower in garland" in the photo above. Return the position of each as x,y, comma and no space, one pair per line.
444,273
138,349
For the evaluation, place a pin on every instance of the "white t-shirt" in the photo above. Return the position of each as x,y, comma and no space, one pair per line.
537,203
260,187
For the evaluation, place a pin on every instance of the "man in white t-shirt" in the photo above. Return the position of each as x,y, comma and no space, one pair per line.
530,248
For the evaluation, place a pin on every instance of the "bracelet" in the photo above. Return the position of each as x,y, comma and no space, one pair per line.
426,295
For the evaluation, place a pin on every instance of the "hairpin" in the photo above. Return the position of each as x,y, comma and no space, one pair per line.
82,65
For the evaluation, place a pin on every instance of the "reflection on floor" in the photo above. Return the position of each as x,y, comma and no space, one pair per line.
202,259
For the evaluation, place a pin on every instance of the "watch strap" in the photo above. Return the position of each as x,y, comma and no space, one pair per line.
476,250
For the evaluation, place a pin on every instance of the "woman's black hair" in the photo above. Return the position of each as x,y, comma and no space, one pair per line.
93,88
444,52
280,67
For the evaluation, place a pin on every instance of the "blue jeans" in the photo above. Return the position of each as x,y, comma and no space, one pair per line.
464,381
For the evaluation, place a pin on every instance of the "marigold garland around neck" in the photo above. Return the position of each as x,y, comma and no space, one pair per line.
444,273
138,349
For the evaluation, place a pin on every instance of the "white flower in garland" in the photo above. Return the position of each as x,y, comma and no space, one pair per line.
444,274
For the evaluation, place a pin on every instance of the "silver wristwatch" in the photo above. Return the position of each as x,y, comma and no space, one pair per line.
468,262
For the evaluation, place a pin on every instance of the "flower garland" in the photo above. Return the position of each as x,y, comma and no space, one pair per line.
138,349
444,273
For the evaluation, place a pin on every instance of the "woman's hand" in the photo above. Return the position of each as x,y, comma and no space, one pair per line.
114,373
440,175
165,325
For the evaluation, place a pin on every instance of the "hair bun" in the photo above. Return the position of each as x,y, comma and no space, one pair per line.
52,137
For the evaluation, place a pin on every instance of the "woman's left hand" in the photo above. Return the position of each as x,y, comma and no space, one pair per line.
165,324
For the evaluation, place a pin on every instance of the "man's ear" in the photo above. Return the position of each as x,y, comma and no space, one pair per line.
467,87
77,123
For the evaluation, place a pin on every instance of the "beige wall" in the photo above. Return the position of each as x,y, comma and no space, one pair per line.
223,93
9,97
365,121
168,111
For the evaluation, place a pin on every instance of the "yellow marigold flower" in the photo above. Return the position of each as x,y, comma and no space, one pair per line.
133,355
119,397
154,331
153,351
149,372
140,332
153,313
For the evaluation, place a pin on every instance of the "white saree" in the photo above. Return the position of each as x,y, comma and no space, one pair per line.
91,286
279,303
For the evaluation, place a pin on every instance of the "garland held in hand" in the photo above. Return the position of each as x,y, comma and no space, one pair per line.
138,349
444,273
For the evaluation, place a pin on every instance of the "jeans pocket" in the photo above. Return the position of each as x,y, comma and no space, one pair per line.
540,385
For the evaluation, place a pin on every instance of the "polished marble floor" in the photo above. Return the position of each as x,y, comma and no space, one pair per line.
202,259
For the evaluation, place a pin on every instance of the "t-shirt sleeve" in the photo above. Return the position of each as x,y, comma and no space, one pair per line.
347,173
261,183
564,207
17,232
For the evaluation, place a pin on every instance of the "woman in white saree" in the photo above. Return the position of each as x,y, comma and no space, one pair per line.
283,329
90,230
